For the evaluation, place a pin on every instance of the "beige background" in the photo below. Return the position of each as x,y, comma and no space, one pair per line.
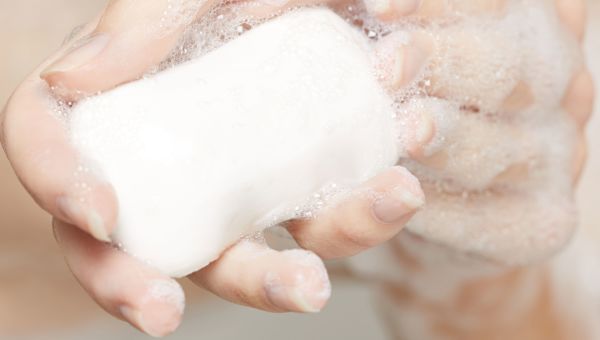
38,297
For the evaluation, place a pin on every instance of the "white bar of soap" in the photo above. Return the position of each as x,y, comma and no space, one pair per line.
212,149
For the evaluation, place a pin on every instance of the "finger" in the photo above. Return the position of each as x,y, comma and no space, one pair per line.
36,143
432,131
254,275
467,163
375,213
436,8
572,14
467,68
579,98
400,58
426,123
388,10
131,37
123,287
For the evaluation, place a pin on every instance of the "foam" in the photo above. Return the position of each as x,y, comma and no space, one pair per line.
475,203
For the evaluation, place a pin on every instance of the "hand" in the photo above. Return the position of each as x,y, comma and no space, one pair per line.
495,110
119,46
448,287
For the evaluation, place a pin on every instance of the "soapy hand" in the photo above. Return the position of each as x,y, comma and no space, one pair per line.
120,45
486,217
495,168
124,43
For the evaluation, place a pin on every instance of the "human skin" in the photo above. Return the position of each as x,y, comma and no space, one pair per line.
337,234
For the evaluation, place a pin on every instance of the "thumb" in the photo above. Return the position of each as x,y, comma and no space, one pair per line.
130,38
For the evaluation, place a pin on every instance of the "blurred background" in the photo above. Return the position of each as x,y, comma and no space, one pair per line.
39,299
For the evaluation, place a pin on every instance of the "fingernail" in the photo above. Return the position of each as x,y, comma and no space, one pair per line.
397,204
291,300
406,7
79,55
160,310
409,61
387,9
379,7
157,319
79,215
424,129
309,289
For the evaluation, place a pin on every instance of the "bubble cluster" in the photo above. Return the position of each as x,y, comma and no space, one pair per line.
498,172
